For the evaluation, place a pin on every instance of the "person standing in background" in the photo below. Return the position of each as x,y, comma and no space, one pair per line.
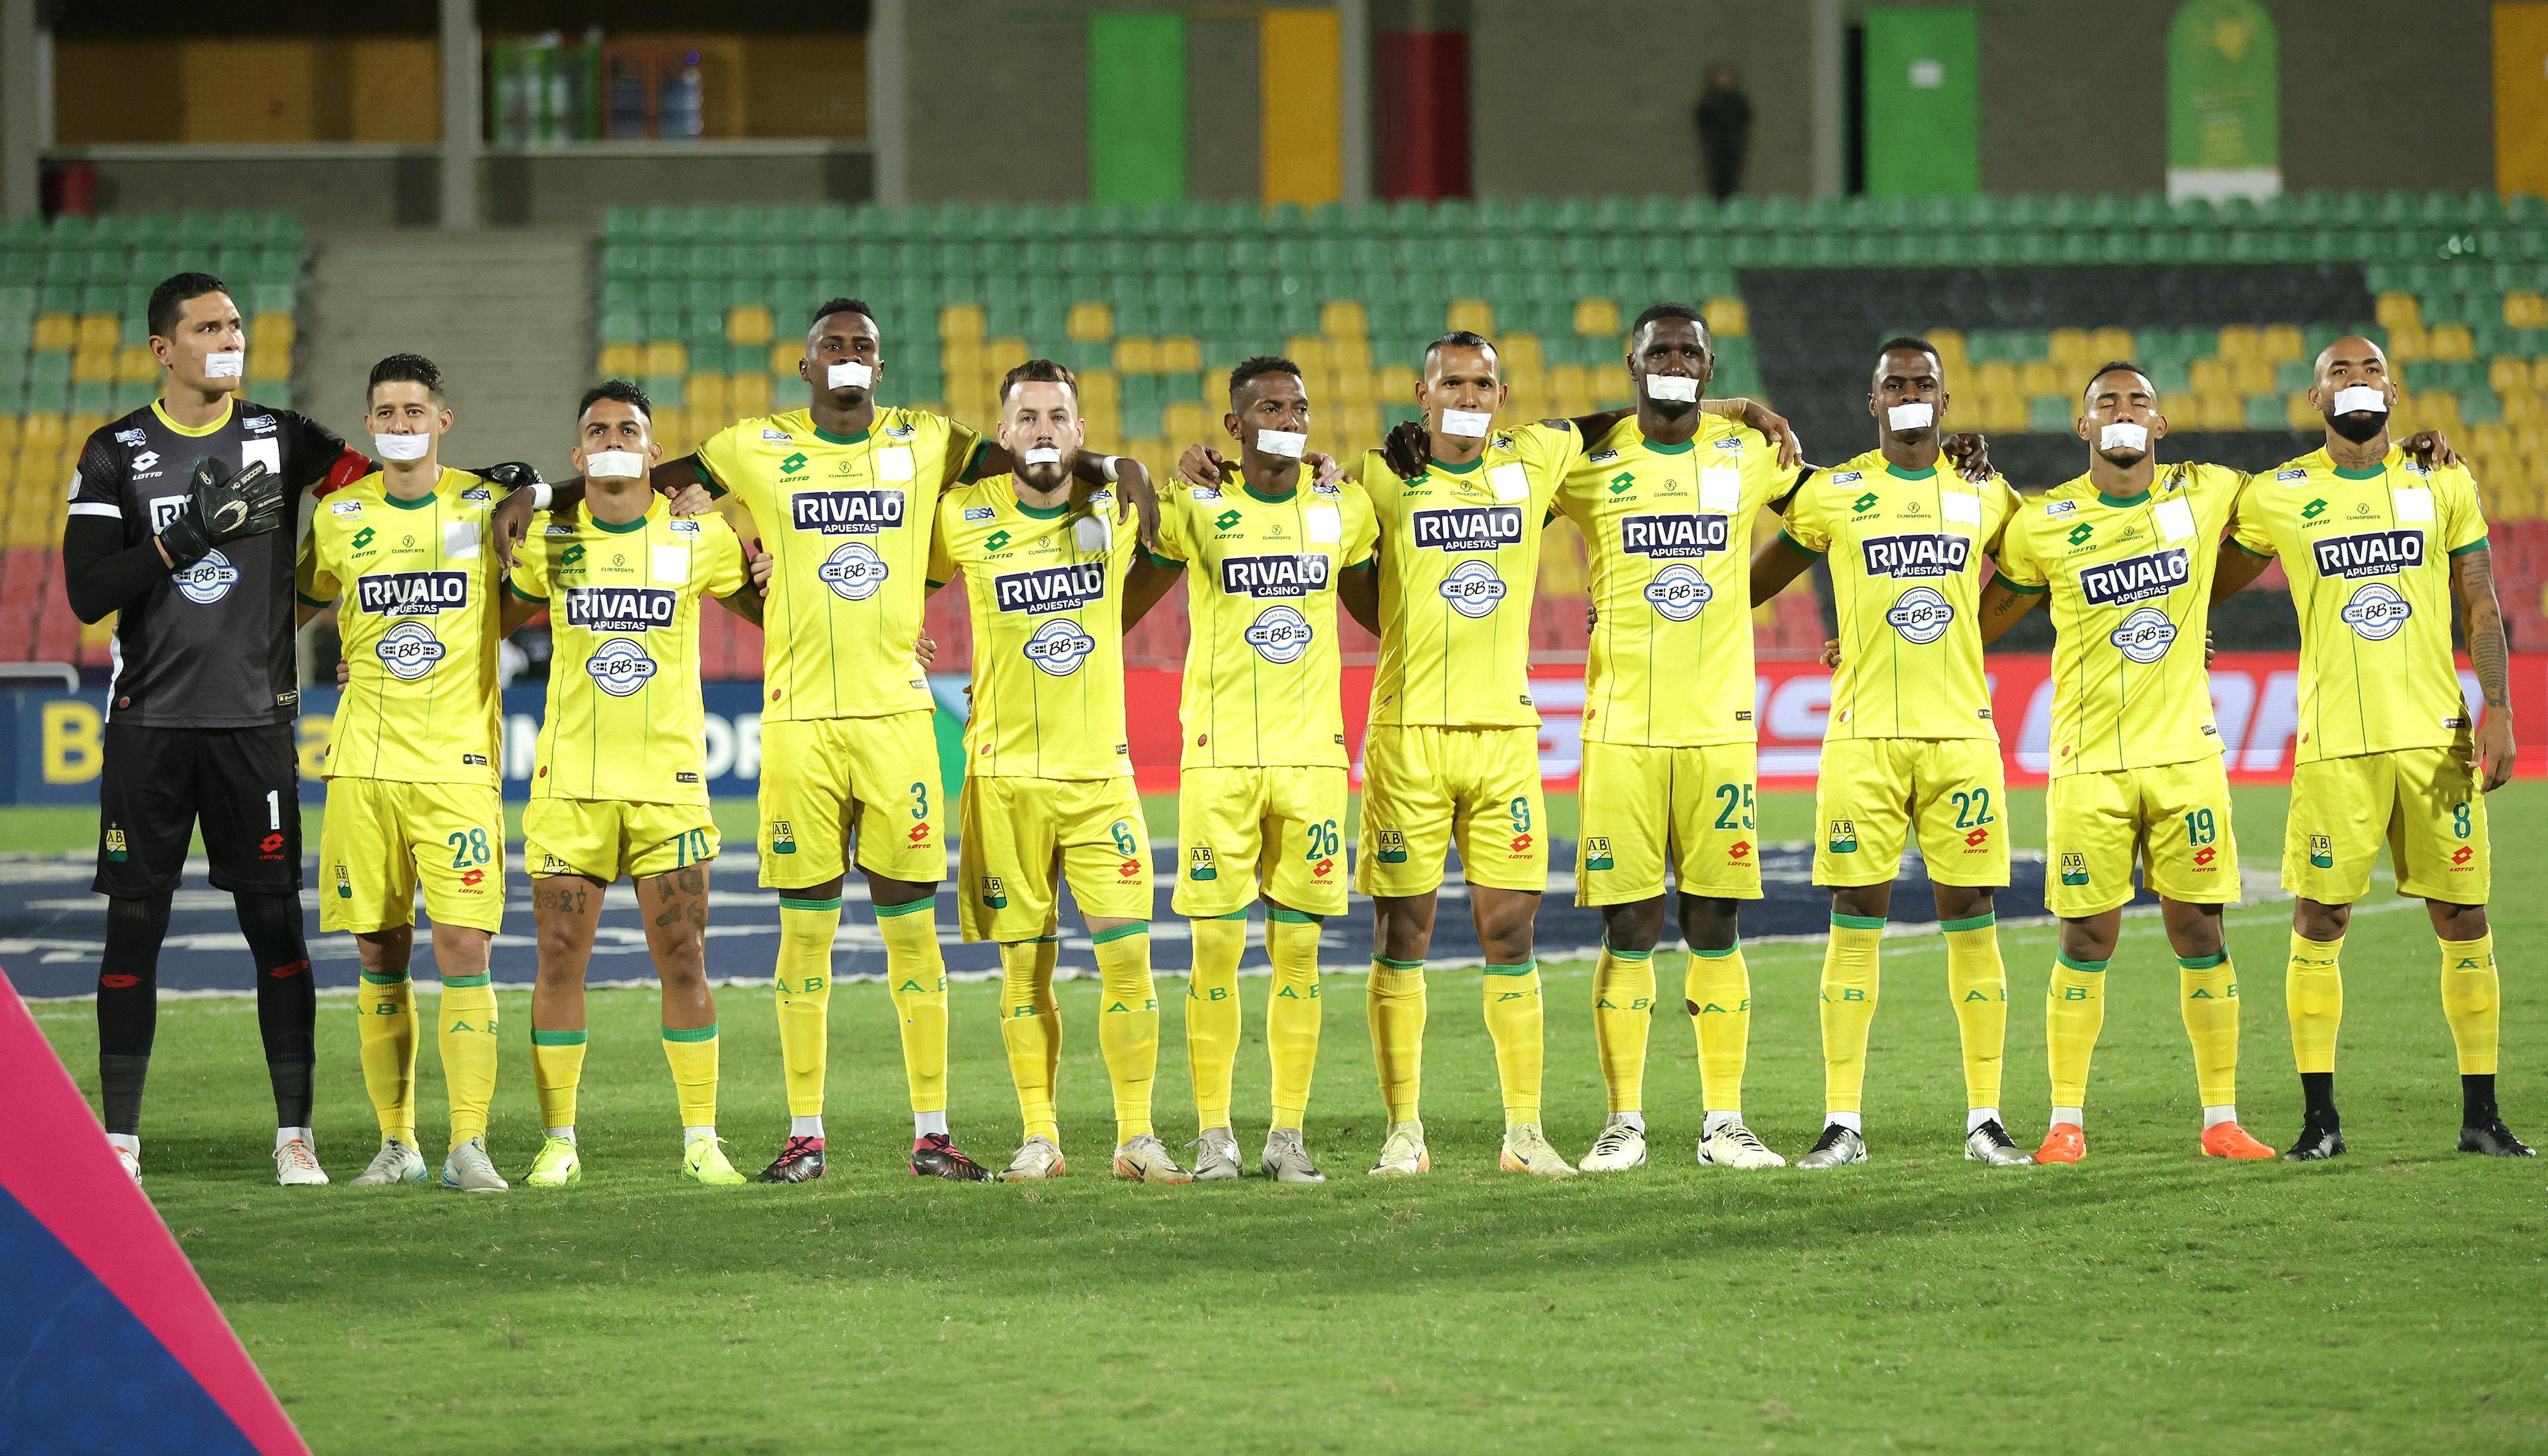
1724,131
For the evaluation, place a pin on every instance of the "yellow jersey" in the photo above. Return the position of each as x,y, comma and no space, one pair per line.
1669,528
1263,677
2367,555
421,702
1459,564
845,520
624,722
1905,552
2130,587
1045,590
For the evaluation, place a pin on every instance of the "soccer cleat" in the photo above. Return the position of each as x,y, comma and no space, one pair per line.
2494,1140
131,1162
1622,1147
1287,1160
2229,1139
1144,1159
800,1161
1839,1146
297,1166
2063,1143
937,1156
705,1161
559,1165
1216,1157
396,1162
1990,1144
1403,1153
1733,1147
2319,1141
468,1171
1528,1150
1037,1158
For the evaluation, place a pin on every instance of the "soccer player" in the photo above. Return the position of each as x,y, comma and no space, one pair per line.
1910,747
842,494
620,787
2375,546
1049,772
413,796
1666,499
1262,777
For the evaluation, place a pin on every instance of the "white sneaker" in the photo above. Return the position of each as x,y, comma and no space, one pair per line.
1216,1157
1622,1147
396,1162
1144,1159
469,1170
1287,1160
131,1161
1401,1153
1734,1146
1037,1158
1528,1150
297,1166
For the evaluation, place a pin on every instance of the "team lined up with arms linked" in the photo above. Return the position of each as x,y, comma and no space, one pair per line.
829,525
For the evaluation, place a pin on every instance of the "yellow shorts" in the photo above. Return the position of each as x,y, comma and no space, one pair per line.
605,841
2176,816
1423,788
380,840
1281,827
817,775
1870,790
1642,807
2423,801
1017,831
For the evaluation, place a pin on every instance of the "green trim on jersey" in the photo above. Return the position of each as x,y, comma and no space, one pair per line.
2123,502
1040,512
1467,469
616,527
2366,473
2477,545
1899,474
829,438
409,502
1660,448
1129,928
1285,498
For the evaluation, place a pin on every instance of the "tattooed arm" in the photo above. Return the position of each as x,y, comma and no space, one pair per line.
2482,618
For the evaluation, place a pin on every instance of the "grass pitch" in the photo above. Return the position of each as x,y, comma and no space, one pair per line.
2146,1299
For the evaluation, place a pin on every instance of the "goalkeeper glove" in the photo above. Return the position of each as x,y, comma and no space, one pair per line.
218,509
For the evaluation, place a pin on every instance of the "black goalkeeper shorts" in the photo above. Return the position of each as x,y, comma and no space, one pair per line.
242,783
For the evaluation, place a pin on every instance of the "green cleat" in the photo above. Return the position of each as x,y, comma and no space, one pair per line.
705,1161
557,1166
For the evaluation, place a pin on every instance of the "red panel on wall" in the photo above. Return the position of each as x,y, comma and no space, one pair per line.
1425,114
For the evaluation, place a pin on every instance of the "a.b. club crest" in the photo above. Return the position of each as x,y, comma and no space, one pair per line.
2074,869
1200,865
1844,836
1596,852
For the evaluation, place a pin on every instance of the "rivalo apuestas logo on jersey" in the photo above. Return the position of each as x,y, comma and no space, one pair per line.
620,667
620,608
846,512
2146,635
207,581
1058,646
1920,615
411,593
1469,528
410,649
2377,613
1672,538
2136,578
1935,554
1472,589
854,572
1050,589
1280,634
1679,593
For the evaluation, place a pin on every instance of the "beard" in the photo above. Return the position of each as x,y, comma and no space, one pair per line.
2360,425
2123,459
1051,476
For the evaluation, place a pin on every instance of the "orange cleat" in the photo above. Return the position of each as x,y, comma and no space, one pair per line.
2063,1143
2229,1139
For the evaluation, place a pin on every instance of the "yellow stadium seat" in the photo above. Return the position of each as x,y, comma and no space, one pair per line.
2208,377
1394,385
1473,314
2397,311
1597,318
618,361
2219,411
2251,377
55,333
96,332
2524,308
1342,318
267,328
1099,387
41,428
966,322
1005,353
2004,415
8,435
2524,407
2450,342
1354,387
2041,377
2069,349
785,356
747,323
2277,343
1180,353
1521,355
666,356
266,363
1350,353
1726,317
961,356
1089,322
1998,376
2298,412
1185,422
1135,354
2237,343
704,395
2407,342
746,394
2109,343
2180,410
77,426
2508,374
93,366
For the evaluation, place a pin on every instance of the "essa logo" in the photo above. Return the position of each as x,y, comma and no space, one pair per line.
1058,646
1280,635
619,667
411,593
1271,576
1920,615
2136,578
1469,528
2377,613
1679,593
410,649
1472,589
853,571
1050,589
2144,636
1913,557
1672,538
2368,553
846,512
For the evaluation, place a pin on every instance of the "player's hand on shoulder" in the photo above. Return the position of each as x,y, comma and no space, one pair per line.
761,564
926,650
1409,448
1831,653
2206,647
2432,449
690,500
1202,465
1324,469
510,521
1135,497
1970,453
1774,427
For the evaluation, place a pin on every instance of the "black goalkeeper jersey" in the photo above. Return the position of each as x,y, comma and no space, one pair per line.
210,646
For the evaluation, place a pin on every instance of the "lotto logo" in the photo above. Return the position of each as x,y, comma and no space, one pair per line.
1226,520
919,833
1323,869
2080,533
2461,856
469,878
270,843
1863,504
1596,852
1130,867
2204,857
792,464
363,538
1975,839
1522,844
1738,851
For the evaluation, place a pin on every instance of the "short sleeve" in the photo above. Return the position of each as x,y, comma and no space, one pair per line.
2019,565
1765,480
97,482
963,452
721,458
1362,530
2004,503
1806,524
2247,525
1559,448
942,553
1176,538
530,578
726,571
313,579
2221,491
2463,517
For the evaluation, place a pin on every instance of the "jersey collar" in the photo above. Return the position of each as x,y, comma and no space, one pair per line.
1899,474
1038,512
1445,465
2123,501
229,408
2366,473
1284,498
1658,448
829,438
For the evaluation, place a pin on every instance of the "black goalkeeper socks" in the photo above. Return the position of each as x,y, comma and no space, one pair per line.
128,1005
2318,1096
2476,1098
287,1000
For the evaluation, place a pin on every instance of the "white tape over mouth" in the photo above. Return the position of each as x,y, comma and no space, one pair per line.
1036,455
399,447
851,376
1672,388
613,465
1468,423
2359,398
1914,416
228,364
1287,443
2124,435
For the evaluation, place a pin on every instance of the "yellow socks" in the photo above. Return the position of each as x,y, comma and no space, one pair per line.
557,1065
2470,1002
1291,1010
1396,1003
1031,1025
2207,987
1127,1024
917,971
805,932
2313,985
692,1052
1849,1007
1978,985
468,1043
1211,1013
2074,1012
1717,987
387,1007
1623,1012
1511,994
